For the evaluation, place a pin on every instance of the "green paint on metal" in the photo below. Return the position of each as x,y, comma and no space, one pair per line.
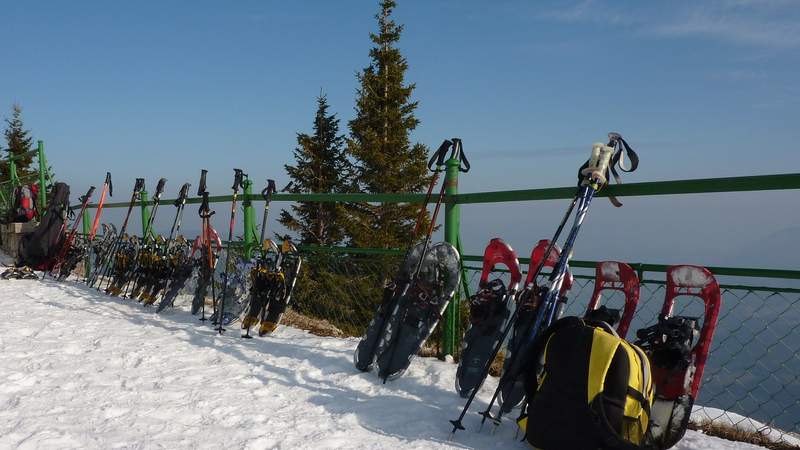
42,177
351,250
145,211
87,267
696,186
451,227
249,222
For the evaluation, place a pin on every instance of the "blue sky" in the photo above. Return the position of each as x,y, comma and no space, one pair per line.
700,89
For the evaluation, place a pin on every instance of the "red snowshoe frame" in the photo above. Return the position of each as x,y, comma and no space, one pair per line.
616,276
537,254
202,239
689,280
498,252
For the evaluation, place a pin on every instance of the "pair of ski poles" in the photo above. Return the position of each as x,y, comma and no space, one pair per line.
593,178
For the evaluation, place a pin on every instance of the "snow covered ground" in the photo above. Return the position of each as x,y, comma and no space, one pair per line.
82,370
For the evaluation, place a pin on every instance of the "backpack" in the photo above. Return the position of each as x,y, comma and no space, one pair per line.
38,248
587,388
24,204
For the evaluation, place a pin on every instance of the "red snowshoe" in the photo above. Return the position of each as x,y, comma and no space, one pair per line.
513,392
678,350
615,276
489,311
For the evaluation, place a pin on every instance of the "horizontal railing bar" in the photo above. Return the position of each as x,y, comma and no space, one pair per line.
675,187
695,186
716,270
659,282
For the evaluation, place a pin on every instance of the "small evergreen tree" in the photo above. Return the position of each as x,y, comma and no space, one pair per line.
18,141
321,166
385,160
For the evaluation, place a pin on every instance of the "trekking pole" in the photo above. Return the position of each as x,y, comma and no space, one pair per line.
593,178
179,203
148,230
365,351
457,423
62,252
238,177
267,194
205,239
456,153
101,270
107,189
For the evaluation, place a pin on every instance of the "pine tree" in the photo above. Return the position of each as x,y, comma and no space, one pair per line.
18,142
321,166
385,160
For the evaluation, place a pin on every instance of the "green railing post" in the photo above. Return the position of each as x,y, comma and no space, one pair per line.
249,219
87,264
42,178
451,231
145,212
12,172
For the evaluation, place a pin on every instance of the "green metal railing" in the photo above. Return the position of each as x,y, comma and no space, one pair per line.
452,213
354,275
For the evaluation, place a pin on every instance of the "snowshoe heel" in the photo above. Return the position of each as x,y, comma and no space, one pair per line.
267,328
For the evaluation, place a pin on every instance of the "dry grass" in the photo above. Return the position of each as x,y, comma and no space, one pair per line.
314,326
733,434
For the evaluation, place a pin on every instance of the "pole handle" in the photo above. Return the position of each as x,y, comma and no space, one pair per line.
269,190
88,195
160,188
202,187
108,183
184,192
238,177
458,153
438,158
138,185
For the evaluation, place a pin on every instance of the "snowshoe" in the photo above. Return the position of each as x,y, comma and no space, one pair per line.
615,276
513,392
200,291
19,273
489,311
678,350
180,276
282,292
420,310
263,278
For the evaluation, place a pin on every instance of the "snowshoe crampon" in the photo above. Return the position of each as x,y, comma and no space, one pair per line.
678,350
489,311
419,310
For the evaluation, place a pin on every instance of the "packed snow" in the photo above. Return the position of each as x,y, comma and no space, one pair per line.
84,370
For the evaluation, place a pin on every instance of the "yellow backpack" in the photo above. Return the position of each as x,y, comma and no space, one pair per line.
587,388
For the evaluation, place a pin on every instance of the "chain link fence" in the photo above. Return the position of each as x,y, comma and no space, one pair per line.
752,378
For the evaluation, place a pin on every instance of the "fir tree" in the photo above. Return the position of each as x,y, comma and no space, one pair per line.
321,166
18,141
385,160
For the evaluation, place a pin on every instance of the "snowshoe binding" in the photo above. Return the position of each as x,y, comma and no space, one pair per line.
678,347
